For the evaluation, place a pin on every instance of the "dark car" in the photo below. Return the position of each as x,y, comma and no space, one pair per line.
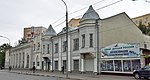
143,72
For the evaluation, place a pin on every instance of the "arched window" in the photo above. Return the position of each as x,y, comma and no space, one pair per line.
27,61
16,60
19,60
23,60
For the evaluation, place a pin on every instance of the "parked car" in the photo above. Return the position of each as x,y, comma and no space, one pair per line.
143,72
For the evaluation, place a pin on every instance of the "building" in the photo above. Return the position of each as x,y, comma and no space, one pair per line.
97,45
74,22
145,19
30,32
20,57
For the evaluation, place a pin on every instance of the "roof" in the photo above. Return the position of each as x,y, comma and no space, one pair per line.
50,31
90,14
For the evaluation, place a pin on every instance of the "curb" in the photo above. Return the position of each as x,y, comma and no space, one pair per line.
36,74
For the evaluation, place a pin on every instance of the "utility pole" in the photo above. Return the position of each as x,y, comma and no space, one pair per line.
52,61
98,51
66,38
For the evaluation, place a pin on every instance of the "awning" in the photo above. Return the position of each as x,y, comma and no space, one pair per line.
45,58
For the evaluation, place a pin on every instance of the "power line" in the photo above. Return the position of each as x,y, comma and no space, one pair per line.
89,12
76,11
85,7
109,5
59,24
102,7
58,20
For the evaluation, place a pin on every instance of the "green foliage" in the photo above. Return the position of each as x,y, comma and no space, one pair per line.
2,58
3,49
22,41
145,29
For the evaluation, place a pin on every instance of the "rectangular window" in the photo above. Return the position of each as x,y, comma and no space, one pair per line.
83,40
56,48
43,49
38,63
38,47
76,44
136,64
118,66
47,48
76,65
109,65
64,46
34,47
91,40
33,63
28,35
126,65
56,65
64,64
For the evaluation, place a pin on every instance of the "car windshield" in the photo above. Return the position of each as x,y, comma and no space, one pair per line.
146,68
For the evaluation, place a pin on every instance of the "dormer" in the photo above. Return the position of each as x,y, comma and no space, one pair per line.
50,31
89,17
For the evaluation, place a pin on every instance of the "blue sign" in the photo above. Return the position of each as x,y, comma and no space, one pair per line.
121,50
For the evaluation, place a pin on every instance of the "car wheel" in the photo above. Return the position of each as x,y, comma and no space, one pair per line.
137,76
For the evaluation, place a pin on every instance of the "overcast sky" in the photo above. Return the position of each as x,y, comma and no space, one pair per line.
18,14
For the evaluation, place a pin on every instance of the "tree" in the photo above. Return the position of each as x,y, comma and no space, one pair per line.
142,28
3,49
22,41
145,29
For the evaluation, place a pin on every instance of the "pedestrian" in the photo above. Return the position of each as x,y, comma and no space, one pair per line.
9,68
62,69
33,68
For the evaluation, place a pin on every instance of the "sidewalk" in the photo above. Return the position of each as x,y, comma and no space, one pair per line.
72,76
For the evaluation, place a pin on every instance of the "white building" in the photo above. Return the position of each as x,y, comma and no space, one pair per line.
20,56
116,35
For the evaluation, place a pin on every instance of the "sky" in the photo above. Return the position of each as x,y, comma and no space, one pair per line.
15,15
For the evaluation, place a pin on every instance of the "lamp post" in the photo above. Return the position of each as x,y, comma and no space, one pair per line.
9,47
66,38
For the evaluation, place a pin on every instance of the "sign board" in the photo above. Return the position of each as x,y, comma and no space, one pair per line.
121,50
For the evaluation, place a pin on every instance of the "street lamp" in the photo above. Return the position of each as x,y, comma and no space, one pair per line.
66,38
8,46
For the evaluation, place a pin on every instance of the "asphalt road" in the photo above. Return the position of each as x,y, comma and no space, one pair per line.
6,75
13,76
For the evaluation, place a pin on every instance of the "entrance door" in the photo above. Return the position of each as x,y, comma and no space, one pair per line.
48,66
76,65
42,65
56,65
89,64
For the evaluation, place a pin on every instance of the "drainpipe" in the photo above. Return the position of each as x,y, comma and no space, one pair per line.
98,51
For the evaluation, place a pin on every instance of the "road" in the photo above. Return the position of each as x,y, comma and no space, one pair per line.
6,75
13,76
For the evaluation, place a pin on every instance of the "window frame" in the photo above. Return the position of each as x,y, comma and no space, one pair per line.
91,40
76,44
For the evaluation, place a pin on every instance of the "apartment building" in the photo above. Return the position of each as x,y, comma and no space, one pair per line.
30,32
145,19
